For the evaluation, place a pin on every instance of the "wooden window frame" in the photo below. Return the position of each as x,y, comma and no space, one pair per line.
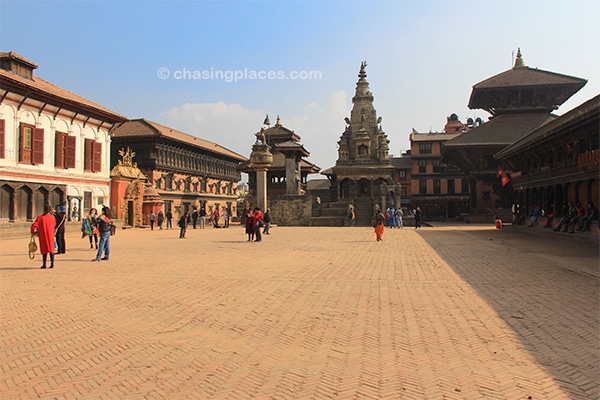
425,148
65,147
422,186
35,150
93,156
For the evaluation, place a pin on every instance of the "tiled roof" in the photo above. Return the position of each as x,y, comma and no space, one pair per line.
144,128
433,136
501,130
525,76
42,90
402,162
317,184
588,108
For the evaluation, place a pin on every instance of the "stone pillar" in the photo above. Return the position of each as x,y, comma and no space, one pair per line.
260,160
261,188
291,186
383,194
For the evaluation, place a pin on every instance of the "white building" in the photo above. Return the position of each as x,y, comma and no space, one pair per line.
54,145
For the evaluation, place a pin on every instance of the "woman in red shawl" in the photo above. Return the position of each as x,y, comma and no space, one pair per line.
258,223
250,225
45,225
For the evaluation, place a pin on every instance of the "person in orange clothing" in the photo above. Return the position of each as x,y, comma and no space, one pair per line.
45,225
379,224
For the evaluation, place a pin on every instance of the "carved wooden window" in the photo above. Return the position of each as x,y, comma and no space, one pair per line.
422,166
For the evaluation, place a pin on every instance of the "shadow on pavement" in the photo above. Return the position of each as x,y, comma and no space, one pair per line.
544,287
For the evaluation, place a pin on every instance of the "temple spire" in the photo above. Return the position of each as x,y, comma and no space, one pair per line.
362,74
519,62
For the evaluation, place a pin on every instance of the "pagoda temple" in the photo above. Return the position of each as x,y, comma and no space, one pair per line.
519,100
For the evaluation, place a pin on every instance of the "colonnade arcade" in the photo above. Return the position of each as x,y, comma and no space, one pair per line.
547,197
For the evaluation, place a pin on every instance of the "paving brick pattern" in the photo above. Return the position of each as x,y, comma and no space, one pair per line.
450,312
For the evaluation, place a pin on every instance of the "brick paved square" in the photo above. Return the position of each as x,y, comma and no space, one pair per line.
451,312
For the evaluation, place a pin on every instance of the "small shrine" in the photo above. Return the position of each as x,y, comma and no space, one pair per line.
130,199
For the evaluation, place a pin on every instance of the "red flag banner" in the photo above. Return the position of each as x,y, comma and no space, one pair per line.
501,174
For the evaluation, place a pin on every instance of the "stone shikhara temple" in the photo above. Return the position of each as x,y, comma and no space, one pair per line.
362,175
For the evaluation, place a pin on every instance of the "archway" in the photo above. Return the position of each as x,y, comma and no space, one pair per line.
364,187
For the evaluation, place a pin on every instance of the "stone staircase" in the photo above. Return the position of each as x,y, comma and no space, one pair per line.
334,213
329,214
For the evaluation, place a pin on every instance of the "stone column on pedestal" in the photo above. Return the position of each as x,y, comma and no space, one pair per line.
291,186
260,160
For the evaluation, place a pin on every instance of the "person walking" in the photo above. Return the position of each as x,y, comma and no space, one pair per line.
89,227
258,223
183,223
216,215
169,216
534,215
267,221
351,216
152,218
225,218
202,217
399,215
250,225
45,225
391,212
418,215
379,224
60,216
104,228
194,217
160,218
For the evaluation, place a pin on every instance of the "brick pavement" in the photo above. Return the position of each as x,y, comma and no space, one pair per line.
451,312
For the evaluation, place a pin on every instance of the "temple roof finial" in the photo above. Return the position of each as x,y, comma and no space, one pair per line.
266,121
519,62
362,74
278,123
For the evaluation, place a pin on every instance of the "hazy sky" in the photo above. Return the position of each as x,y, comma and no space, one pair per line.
161,60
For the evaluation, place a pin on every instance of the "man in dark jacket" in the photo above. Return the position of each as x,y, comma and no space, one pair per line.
183,223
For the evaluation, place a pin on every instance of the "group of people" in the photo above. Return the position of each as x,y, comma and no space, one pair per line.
392,219
50,230
576,217
255,221
572,216
200,215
